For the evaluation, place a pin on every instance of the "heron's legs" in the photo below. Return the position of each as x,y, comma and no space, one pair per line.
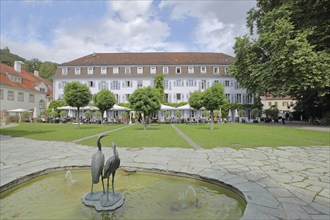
108,188
92,189
113,181
102,184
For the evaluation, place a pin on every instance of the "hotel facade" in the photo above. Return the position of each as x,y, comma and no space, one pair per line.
122,73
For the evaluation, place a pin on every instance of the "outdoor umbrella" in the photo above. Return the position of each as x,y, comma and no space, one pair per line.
19,111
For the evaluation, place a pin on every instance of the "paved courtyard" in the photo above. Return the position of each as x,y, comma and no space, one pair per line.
278,183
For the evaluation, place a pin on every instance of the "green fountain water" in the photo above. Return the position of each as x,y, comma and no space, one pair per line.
148,196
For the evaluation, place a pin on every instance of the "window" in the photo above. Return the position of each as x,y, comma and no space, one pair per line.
165,69
238,98
64,71
61,84
42,104
115,70
128,84
10,95
152,70
115,85
104,70
203,84
43,90
227,83
250,99
269,104
216,70
276,104
1,94
190,69
127,70
103,85
228,97
90,70
91,84
127,96
139,70
191,82
226,71
285,104
20,96
14,78
77,70
31,98
203,69
117,99
178,70
178,97
139,83
179,83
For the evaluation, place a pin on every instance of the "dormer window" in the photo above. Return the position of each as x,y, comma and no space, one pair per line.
115,70
127,70
14,78
216,70
165,69
203,69
90,70
103,70
190,69
153,70
178,70
139,70
77,70
64,71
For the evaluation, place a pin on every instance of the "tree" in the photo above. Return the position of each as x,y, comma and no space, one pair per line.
196,101
145,100
32,65
77,95
104,100
159,85
213,99
291,55
55,104
47,70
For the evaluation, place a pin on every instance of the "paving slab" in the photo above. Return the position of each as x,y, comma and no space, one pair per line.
277,183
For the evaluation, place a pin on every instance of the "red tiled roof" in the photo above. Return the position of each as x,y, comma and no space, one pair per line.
168,58
29,80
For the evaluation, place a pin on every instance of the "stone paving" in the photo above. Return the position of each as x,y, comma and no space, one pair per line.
277,183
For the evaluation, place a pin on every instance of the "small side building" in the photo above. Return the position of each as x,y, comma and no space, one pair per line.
22,89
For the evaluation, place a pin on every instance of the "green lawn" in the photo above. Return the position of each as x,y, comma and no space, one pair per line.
56,132
224,135
251,135
135,136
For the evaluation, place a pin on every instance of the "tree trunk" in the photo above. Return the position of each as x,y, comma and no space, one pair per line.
144,121
102,112
212,114
78,119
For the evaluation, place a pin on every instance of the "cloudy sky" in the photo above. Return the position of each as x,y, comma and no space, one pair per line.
60,31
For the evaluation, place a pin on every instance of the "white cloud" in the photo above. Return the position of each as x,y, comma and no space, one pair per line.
218,22
130,28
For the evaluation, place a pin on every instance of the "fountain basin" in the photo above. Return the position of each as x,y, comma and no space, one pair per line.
148,196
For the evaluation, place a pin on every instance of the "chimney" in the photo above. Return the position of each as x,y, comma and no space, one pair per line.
36,73
18,66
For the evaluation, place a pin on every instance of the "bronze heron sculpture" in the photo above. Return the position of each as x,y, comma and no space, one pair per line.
110,168
97,165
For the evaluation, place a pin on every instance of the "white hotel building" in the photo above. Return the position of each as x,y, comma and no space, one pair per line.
122,73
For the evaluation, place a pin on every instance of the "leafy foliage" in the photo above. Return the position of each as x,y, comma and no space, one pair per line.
47,70
77,95
290,55
213,99
145,100
159,85
196,100
104,100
